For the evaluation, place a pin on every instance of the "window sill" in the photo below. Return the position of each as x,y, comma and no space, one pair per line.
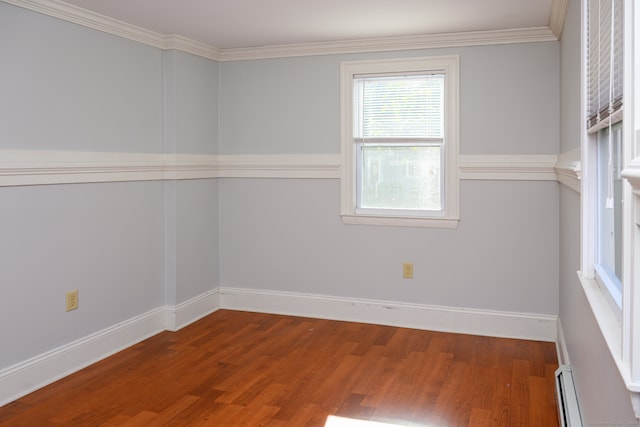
400,221
611,328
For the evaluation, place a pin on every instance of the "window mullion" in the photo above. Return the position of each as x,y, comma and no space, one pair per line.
399,141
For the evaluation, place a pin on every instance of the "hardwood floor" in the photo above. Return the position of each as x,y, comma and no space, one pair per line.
249,369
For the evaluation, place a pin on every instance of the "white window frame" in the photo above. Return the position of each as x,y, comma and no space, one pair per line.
619,326
449,217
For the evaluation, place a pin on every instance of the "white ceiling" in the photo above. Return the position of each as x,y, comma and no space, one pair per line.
230,24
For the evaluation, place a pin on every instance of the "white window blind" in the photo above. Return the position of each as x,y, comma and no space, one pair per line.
605,62
398,106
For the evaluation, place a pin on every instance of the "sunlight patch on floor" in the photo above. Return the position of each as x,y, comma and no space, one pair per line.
334,421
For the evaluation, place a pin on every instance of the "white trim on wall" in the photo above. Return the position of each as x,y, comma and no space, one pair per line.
629,363
279,166
632,174
23,167
183,44
508,167
558,14
77,15
27,167
419,316
569,170
185,313
430,41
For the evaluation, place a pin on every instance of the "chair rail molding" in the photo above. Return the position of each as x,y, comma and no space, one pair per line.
534,167
41,167
569,169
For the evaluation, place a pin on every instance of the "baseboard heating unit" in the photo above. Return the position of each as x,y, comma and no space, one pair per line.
568,409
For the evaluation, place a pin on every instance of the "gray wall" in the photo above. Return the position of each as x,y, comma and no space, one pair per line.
197,238
66,87
293,104
286,235
105,240
603,397
191,206
191,99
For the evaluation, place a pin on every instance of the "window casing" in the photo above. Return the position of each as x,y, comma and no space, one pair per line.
399,142
611,180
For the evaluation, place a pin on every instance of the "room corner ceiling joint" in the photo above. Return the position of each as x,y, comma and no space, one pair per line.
90,19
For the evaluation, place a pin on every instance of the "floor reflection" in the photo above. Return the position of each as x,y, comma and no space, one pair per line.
335,421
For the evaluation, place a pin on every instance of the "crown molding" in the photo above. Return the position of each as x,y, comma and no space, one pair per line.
77,15
429,41
193,47
96,21
87,18
558,16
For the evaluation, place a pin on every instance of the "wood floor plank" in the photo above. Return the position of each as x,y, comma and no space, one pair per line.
251,369
116,421
167,416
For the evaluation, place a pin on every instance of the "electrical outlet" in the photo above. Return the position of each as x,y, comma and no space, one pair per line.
407,270
72,300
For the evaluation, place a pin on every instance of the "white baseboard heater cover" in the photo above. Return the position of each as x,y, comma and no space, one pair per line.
568,409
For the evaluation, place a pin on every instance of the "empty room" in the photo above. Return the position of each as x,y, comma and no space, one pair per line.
337,213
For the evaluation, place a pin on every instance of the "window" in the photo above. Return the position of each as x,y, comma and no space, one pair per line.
399,142
610,191
604,116
608,262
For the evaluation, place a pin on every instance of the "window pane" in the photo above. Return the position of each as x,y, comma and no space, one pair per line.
610,203
399,106
401,177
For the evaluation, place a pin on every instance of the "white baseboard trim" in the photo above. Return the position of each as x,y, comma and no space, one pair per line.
25,377
538,327
192,310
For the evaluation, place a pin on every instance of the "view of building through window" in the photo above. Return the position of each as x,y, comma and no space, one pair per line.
401,177
610,204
